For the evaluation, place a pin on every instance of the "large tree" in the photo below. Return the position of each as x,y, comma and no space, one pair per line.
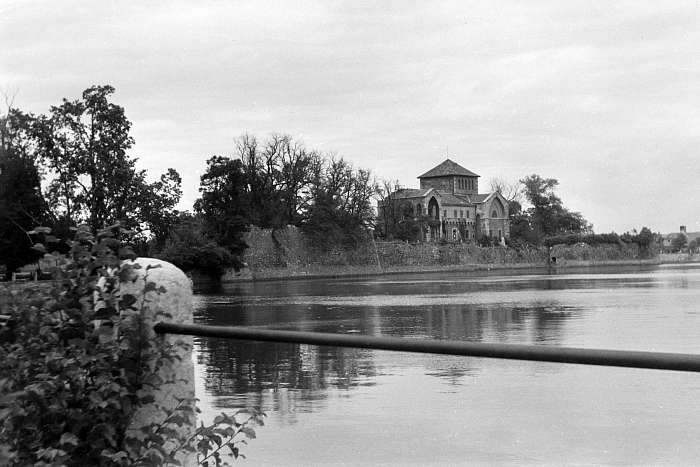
225,204
93,179
340,208
279,172
547,215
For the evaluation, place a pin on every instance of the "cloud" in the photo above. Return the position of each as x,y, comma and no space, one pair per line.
601,96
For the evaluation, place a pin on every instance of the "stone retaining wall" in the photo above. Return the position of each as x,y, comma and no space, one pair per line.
284,253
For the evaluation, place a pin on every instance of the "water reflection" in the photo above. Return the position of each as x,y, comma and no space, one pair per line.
346,402
238,368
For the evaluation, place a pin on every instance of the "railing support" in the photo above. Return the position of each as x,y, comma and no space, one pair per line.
617,358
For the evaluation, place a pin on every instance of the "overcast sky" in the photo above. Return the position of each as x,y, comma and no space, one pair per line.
603,96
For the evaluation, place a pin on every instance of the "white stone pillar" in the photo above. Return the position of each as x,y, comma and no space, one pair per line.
168,299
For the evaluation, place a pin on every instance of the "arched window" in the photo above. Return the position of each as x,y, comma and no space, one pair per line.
433,208
497,209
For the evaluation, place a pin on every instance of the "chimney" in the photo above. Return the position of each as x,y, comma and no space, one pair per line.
683,229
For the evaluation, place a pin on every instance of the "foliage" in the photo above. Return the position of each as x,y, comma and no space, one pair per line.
548,217
278,182
82,149
190,248
225,203
694,244
73,367
645,239
398,219
590,239
340,211
21,207
679,242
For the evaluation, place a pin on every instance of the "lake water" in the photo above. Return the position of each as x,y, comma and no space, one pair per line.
346,406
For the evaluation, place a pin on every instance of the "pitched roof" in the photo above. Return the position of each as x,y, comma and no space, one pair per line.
448,199
448,168
404,193
480,198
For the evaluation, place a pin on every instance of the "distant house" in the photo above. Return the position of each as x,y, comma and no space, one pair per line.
668,239
450,202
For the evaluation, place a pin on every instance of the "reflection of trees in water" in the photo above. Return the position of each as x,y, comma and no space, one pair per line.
472,322
234,367
548,321
289,375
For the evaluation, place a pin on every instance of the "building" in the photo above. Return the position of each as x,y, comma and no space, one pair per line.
448,206
690,238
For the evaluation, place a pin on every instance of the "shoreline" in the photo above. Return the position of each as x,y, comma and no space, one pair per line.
334,272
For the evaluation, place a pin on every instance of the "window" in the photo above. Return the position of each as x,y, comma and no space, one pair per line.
444,213
467,214
461,213
455,213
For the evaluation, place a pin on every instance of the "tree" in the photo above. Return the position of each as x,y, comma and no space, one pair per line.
260,169
225,203
397,217
548,216
92,178
679,242
297,167
158,212
21,208
645,238
340,209
511,191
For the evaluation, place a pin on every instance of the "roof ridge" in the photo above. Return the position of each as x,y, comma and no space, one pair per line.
446,168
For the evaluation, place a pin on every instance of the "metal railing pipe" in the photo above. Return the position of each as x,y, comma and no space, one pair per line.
538,353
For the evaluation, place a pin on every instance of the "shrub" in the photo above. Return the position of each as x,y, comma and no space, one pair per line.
190,248
73,371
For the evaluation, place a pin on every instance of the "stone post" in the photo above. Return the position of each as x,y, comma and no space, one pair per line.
170,300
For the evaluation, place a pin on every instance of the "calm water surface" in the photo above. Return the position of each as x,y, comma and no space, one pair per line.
346,406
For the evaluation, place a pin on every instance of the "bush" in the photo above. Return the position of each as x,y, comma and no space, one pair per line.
73,371
589,239
190,248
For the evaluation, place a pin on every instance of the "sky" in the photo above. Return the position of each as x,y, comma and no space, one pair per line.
603,96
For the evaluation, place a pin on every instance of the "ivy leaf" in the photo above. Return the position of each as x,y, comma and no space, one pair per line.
69,438
249,432
127,300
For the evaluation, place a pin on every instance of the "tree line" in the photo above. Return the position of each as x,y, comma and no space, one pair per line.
74,166
272,183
